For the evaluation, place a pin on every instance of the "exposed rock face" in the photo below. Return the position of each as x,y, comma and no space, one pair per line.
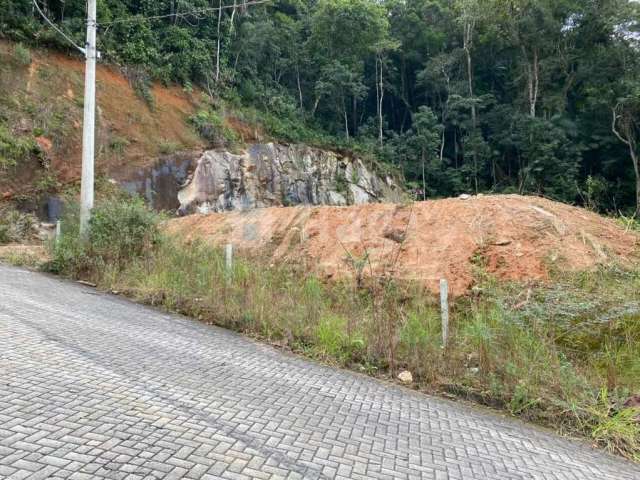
280,175
160,182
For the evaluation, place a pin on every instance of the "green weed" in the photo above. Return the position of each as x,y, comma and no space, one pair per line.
22,54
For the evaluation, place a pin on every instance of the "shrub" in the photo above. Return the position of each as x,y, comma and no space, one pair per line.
120,231
140,80
210,126
118,145
16,226
13,148
22,54
168,147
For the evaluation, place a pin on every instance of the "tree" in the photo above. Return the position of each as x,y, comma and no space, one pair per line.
626,127
340,83
344,35
426,137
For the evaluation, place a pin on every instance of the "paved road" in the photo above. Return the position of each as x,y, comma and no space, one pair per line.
93,386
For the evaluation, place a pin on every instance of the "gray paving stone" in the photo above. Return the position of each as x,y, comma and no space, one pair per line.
95,387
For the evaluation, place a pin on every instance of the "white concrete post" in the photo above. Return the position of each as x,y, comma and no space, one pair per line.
58,232
88,129
444,308
228,257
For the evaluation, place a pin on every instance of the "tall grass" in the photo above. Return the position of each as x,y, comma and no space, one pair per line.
568,356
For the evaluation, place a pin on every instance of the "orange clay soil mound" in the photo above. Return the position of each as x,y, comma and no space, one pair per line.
514,237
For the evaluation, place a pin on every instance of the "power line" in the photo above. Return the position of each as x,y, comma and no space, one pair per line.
53,25
192,13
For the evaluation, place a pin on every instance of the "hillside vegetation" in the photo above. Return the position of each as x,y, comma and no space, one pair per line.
462,95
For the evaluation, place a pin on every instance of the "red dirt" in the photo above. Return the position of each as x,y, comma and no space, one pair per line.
515,237
55,81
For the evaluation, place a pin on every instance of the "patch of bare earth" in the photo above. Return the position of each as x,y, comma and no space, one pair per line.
514,237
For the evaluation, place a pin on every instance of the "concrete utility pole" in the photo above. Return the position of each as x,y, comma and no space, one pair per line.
88,132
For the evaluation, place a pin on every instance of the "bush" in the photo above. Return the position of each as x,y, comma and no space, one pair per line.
118,145
166,147
22,54
210,126
13,148
120,231
140,81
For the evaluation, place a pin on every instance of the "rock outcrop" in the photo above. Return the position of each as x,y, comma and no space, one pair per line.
270,174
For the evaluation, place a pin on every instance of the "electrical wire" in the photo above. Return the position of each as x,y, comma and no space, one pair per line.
191,13
53,25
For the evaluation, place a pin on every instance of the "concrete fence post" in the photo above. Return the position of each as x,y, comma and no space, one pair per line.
228,257
444,308
58,232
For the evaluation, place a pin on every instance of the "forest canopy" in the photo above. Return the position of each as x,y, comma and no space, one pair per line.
524,96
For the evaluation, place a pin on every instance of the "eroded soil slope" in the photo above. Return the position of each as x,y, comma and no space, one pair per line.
514,237
44,99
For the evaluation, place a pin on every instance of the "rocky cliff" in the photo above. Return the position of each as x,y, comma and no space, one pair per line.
266,175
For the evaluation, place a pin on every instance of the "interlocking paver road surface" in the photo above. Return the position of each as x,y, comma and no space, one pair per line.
93,386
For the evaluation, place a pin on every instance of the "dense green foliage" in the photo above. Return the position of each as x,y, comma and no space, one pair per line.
565,354
517,95
121,230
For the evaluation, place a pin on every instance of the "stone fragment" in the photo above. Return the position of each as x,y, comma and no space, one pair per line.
405,377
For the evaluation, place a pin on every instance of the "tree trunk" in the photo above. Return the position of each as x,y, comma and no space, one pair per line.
354,112
468,39
636,169
424,179
533,80
380,119
346,119
315,106
218,41
233,14
626,134
445,113
299,87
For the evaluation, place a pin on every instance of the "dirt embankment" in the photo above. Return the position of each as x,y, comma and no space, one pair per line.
513,237
45,99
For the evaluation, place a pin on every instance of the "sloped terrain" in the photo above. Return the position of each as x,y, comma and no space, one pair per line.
511,236
41,99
